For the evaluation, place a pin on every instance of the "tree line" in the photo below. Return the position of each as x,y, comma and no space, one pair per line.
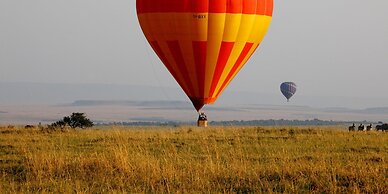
268,122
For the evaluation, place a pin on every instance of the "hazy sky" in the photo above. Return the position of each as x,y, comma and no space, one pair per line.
329,48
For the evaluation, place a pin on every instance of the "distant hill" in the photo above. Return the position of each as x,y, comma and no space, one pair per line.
155,104
46,93
376,110
165,105
56,93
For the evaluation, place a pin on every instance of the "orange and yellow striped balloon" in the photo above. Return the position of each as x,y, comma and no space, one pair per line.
204,43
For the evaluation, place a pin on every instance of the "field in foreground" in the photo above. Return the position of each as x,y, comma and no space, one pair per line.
190,159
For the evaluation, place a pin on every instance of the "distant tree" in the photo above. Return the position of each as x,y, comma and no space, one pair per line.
75,120
78,120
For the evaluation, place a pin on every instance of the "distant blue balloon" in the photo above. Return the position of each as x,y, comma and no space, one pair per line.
288,89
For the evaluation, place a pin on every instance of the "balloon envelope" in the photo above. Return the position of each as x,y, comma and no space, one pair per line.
288,89
204,43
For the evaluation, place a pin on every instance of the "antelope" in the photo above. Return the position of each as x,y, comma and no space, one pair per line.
361,127
352,128
369,127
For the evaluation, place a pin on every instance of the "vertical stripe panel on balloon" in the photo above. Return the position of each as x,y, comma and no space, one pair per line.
259,29
264,7
199,49
260,7
232,27
269,8
215,34
231,31
289,90
199,6
187,51
234,56
234,6
245,23
226,49
249,7
238,66
180,63
233,71
218,6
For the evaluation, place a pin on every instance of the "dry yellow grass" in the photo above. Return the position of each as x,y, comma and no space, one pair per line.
190,159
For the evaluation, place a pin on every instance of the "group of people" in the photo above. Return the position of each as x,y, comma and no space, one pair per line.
202,117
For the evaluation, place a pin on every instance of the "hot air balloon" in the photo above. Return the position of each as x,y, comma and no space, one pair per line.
288,89
204,43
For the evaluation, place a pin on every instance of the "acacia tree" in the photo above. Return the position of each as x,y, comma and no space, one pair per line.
78,120
74,120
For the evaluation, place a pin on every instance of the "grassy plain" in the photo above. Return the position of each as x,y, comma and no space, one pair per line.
189,159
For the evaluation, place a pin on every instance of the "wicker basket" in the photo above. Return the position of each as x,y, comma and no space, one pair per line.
202,123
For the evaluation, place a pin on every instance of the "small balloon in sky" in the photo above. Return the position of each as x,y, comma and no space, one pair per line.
288,89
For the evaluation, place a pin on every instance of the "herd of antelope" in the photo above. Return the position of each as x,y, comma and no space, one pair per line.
361,127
